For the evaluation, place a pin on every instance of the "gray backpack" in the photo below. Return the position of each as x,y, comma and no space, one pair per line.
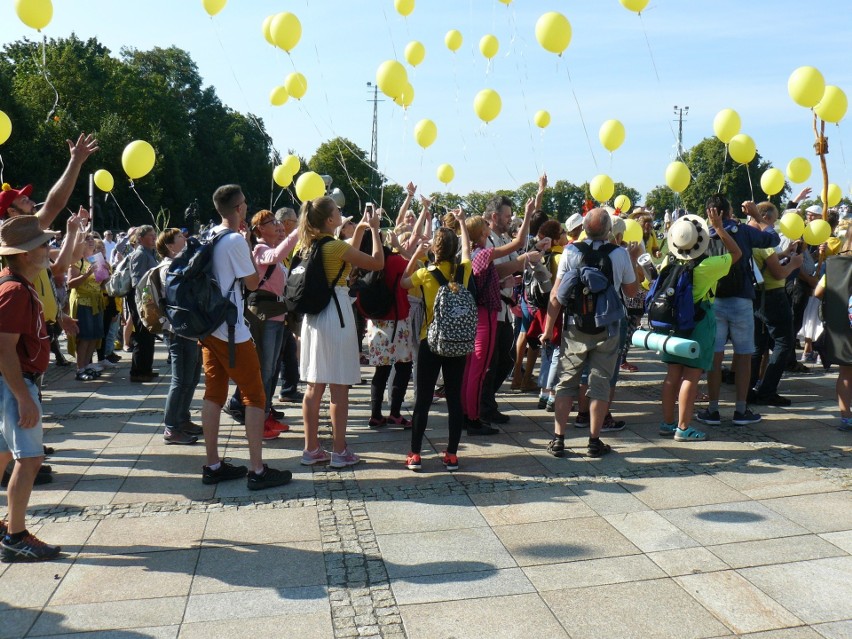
454,317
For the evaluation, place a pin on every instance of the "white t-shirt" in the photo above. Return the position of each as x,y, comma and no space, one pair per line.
232,261
109,247
507,284
622,269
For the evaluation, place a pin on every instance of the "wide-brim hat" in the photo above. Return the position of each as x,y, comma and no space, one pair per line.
9,195
689,237
343,222
22,234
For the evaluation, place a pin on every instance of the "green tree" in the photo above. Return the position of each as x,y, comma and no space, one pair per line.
661,198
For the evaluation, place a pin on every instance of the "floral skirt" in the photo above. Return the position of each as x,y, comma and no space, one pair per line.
384,348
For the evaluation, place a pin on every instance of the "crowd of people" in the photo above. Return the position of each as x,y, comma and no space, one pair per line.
473,302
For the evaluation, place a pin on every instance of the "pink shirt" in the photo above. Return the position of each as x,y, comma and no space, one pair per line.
264,255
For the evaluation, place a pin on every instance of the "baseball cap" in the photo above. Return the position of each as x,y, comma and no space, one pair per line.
9,195
574,222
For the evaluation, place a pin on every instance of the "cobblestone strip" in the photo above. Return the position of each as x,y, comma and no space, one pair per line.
362,603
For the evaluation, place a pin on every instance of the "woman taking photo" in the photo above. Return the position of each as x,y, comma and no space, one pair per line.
86,306
329,352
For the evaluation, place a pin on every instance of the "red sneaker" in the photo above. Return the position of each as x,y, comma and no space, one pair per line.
629,368
272,424
413,461
451,462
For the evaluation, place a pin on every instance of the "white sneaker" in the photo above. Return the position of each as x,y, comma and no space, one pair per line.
105,364
96,366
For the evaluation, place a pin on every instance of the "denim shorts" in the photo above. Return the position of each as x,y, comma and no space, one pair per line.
91,325
734,321
23,443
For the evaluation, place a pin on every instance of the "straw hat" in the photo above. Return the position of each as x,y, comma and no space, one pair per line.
688,237
22,234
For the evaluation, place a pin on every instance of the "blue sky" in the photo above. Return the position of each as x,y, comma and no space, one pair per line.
708,54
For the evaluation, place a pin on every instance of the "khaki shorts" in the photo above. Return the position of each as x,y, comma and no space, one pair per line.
578,348
246,373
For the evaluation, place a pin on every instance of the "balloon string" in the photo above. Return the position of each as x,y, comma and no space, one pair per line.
492,138
656,72
522,78
750,186
42,66
458,110
582,119
722,177
390,33
121,210
2,166
153,217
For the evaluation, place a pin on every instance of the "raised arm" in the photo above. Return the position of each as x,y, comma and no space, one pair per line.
58,196
373,262
73,228
539,196
716,222
465,238
410,190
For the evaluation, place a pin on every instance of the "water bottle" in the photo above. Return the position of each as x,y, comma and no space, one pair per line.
648,267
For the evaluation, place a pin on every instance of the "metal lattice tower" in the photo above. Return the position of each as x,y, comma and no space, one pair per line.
374,141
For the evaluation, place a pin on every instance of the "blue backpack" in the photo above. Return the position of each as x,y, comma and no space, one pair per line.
193,299
669,302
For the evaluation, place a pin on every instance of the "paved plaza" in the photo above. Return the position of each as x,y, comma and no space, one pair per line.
747,534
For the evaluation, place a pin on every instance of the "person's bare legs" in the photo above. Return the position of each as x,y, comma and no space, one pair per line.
254,434
210,416
339,415
671,389
562,409
598,409
688,393
20,488
310,414
844,391
742,371
714,377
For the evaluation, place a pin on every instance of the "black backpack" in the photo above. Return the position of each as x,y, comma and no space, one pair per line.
579,302
308,291
192,297
732,283
538,283
374,295
669,302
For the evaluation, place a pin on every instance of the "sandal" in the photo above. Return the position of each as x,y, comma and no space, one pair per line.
398,420
556,447
84,376
91,371
689,435
379,422
597,448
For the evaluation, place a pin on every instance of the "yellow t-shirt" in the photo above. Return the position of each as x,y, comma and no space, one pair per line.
332,260
46,296
760,256
706,276
422,277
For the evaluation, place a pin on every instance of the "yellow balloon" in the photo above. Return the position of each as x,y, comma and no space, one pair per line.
453,40
792,225
772,181
414,53
391,78
611,134
404,7
138,159
296,85
292,164
726,125
798,170
541,119
806,86
487,105
678,176
553,32
104,180
278,96
425,133
632,231
265,28
286,30
622,203
634,5
446,173
601,187
834,195
506,2
405,98
36,14
213,7
489,46
282,176
742,148
310,186
5,127
817,232
833,105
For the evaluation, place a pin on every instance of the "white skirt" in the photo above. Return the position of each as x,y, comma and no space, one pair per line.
811,323
329,354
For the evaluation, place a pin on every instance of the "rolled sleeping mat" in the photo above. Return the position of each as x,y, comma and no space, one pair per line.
668,344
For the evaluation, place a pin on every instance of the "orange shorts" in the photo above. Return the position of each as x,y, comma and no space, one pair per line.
246,373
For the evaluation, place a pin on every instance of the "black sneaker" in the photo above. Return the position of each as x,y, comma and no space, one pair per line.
707,416
476,428
290,396
237,414
772,400
496,417
610,424
225,472
30,548
556,447
191,428
746,418
582,420
269,478
597,448
276,414
43,476
542,401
